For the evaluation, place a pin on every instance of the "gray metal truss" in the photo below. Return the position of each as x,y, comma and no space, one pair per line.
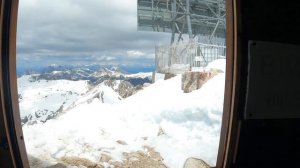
192,17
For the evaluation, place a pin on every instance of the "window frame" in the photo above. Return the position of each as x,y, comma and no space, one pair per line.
230,124
9,94
8,85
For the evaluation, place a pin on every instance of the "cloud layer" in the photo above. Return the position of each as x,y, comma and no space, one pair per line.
83,32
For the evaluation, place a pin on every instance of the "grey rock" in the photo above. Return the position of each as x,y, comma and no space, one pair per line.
195,163
58,165
191,81
169,76
121,142
125,89
160,132
105,158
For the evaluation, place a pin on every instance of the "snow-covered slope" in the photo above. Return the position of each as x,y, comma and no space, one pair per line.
101,93
191,122
139,75
40,100
178,125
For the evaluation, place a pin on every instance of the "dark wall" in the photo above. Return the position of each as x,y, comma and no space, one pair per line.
270,20
266,142
5,157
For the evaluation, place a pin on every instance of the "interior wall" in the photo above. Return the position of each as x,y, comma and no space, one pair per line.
5,154
266,142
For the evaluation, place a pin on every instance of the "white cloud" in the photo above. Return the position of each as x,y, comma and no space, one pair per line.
105,58
84,27
135,54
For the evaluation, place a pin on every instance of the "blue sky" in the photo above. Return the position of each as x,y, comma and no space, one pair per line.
83,32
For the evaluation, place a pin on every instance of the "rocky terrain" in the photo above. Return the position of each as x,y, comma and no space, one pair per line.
44,96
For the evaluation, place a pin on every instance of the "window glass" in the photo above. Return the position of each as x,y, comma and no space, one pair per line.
127,83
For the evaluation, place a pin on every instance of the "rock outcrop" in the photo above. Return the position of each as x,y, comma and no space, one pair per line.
141,159
191,81
125,89
195,163
169,76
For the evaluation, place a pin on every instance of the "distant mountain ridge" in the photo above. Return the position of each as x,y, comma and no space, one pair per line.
45,96
29,69
92,74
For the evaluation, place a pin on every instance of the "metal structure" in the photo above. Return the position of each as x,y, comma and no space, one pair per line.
180,57
192,17
195,18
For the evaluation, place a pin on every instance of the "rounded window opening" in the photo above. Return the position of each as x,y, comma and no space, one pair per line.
121,83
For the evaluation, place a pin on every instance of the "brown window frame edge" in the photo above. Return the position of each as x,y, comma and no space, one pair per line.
230,124
9,93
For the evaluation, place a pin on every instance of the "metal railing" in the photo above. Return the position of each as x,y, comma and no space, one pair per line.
181,57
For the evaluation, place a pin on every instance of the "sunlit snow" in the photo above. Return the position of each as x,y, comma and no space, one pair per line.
190,123
41,98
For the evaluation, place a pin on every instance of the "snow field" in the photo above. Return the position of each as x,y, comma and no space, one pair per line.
44,97
178,125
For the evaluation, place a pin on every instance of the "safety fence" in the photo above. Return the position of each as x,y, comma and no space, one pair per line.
181,57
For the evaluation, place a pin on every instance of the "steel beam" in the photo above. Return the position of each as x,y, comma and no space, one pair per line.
188,19
204,17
